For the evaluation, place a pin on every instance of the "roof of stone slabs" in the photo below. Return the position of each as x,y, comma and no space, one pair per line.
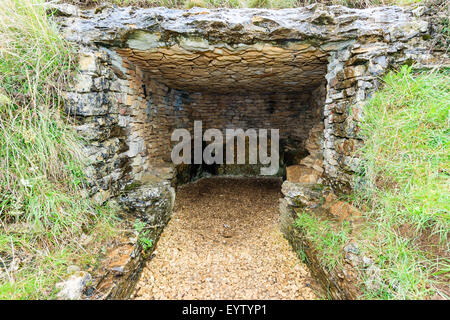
232,50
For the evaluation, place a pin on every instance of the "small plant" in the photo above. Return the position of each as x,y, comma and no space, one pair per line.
143,234
139,226
302,255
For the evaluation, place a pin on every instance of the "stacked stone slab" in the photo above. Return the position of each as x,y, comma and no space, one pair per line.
310,169
359,46
132,61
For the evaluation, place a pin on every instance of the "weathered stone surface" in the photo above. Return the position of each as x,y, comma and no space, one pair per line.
120,271
234,51
340,209
112,25
242,68
300,194
314,161
72,288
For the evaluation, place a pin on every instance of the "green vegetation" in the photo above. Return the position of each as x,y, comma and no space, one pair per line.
403,188
44,209
406,152
406,182
143,234
47,222
276,4
327,238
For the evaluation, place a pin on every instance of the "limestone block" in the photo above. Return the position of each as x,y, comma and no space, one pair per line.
298,194
86,104
302,174
136,146
83,83
87,62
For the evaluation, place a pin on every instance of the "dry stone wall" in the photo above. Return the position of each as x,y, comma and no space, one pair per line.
133,61
168,109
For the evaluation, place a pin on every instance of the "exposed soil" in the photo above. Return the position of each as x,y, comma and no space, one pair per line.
224,242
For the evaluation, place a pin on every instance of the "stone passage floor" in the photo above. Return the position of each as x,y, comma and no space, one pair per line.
223,242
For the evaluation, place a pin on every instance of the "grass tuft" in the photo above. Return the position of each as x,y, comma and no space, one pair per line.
406,150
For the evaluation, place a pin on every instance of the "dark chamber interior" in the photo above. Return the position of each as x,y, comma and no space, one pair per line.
261,86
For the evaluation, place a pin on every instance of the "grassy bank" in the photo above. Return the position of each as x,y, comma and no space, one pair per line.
46,218
405,184
402,191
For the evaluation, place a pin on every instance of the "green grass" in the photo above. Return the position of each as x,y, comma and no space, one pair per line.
143,233
403,188
276,4
406,152
328,238
406,160
44,208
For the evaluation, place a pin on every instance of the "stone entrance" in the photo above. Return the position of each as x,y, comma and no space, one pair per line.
144,72
306,71
224,86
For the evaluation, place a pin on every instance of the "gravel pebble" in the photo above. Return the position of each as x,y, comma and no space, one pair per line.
224,242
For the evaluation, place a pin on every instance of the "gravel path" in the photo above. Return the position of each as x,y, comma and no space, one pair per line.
223,242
